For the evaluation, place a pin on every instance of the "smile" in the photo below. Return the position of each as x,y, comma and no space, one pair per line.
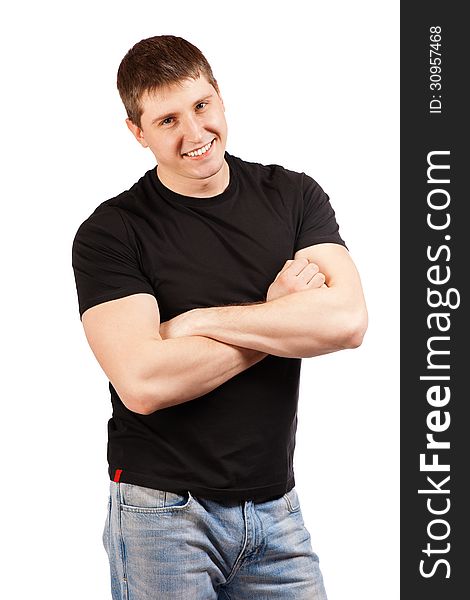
200,151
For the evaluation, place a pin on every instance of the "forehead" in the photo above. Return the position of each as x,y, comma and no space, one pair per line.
176,96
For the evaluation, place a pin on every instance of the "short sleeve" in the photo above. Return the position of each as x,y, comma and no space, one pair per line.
318,222
105,263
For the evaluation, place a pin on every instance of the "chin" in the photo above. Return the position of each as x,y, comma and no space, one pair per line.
209,170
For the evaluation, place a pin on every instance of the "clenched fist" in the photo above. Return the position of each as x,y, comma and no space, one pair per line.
295,276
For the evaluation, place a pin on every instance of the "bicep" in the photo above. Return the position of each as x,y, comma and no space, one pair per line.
344,287
117,332
335,262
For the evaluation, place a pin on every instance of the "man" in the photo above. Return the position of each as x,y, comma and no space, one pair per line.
200,289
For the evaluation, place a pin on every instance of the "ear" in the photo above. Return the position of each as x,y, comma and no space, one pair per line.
137,133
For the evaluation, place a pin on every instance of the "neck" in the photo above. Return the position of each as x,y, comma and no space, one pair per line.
197,188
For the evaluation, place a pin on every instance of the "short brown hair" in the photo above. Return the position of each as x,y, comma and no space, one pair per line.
154,63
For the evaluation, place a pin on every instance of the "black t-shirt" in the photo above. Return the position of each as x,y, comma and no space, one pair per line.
236,442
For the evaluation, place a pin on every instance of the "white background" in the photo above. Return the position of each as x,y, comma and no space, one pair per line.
309,85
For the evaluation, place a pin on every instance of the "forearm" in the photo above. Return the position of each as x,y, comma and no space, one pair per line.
302,324
178,370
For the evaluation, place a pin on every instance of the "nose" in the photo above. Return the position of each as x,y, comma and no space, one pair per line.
193,129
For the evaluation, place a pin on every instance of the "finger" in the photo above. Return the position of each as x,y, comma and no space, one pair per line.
296,265
308,272
286,266
317,281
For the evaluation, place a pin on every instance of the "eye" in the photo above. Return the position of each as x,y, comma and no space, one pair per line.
201,105
167,121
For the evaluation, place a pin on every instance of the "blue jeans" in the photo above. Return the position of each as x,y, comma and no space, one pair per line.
163,545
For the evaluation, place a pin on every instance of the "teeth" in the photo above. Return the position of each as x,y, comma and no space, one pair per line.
202,150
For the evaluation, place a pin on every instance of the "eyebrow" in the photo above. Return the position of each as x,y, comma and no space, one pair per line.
172,114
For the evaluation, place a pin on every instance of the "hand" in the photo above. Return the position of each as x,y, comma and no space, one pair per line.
295,276
180,326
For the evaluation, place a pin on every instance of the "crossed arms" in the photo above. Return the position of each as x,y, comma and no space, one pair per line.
314,306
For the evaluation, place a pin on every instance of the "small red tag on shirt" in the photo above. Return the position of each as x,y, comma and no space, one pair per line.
117,475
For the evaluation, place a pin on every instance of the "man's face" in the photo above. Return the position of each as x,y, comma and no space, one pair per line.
182,119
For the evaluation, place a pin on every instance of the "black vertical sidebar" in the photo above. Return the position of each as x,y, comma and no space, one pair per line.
435,340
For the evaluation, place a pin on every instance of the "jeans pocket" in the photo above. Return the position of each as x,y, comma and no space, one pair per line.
137,498
292,501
